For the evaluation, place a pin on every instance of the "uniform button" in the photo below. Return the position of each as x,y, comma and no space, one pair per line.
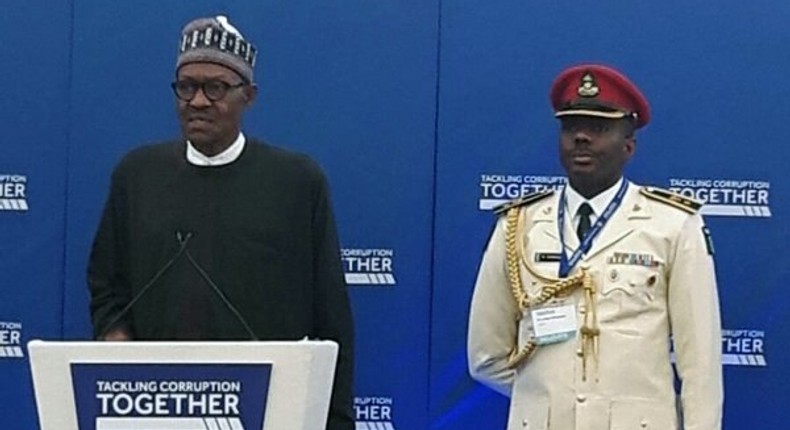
524,423
581,398
643,424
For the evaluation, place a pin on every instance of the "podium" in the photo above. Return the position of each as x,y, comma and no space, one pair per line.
183,385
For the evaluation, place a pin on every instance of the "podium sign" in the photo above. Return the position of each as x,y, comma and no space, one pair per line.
182,385
170,396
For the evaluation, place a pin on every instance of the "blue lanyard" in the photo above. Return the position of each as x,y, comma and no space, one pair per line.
567,264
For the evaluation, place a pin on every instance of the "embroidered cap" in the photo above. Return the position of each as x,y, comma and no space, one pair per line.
215,40
598,90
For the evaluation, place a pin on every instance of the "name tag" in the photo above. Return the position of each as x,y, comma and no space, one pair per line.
547,257
554,324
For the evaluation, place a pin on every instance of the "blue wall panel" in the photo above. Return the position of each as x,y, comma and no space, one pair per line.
34,117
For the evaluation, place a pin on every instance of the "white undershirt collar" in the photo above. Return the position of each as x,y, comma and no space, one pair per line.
227,156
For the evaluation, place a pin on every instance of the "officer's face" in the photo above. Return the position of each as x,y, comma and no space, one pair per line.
594,151
212,125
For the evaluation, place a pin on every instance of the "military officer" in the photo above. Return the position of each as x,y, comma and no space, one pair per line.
583,293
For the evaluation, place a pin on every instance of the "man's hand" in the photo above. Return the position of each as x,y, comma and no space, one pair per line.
117,335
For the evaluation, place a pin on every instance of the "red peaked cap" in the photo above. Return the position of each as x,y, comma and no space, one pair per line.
600,91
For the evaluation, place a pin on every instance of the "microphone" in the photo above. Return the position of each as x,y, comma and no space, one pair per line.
222,296
183,240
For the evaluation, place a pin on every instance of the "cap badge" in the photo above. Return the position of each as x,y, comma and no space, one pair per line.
588,87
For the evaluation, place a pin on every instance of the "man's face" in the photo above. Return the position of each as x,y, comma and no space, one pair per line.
594,150
213,125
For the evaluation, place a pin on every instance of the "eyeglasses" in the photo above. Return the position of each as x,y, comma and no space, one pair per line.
214,90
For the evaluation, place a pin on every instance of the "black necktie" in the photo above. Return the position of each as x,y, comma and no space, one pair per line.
584,220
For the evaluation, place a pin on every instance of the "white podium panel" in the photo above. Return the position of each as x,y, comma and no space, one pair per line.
183,385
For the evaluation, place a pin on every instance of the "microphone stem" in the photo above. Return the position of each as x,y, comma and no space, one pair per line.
222,296
183,241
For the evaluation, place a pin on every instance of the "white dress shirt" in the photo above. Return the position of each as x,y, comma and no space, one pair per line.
598,203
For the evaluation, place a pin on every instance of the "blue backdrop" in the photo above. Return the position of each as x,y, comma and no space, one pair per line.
423,113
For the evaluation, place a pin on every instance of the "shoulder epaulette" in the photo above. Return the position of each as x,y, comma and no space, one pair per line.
521,201
672,199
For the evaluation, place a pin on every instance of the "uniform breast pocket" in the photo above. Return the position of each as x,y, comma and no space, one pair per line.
635,283
641,414
528,413
544,264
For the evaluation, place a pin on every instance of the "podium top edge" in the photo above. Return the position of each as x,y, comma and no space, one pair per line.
36,343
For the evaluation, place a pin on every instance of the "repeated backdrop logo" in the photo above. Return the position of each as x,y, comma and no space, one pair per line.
373,413
727,197
368,266
496,189
721,196
13,192
743,348
11,340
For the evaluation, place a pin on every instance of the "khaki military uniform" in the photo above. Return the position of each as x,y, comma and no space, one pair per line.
650,278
